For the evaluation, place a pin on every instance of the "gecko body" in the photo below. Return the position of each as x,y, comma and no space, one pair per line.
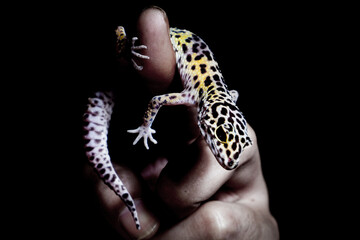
220,122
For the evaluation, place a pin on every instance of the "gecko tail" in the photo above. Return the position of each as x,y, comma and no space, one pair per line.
97,120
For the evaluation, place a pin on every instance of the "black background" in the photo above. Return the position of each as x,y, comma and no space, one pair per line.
280,57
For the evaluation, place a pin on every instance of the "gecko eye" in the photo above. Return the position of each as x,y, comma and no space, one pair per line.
221,134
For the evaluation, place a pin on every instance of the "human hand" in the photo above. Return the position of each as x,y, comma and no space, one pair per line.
207,201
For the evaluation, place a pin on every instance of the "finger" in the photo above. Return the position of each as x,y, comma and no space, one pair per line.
192,176
221,220
153,32
117,213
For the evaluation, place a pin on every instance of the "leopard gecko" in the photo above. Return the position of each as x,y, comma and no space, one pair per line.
219,119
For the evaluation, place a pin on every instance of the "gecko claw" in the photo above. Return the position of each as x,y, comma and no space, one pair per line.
146,133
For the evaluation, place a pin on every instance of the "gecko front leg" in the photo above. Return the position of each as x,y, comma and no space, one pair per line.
145,131
136,54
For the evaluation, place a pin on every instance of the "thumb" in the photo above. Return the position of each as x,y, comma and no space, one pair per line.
118,214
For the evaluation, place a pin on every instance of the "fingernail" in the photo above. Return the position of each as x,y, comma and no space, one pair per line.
149,223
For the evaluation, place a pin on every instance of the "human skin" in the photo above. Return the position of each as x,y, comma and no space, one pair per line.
206,201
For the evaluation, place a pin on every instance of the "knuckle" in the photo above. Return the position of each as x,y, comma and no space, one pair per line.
219,224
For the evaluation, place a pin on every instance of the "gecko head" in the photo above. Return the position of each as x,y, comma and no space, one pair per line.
226,136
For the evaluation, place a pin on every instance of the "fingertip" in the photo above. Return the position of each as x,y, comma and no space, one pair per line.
153,30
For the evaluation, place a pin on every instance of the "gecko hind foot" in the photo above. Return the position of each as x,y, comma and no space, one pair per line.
146,133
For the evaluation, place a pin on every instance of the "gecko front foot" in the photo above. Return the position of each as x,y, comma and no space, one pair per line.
146,133
136,54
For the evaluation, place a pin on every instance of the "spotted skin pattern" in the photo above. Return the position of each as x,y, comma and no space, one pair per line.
97,119
220,121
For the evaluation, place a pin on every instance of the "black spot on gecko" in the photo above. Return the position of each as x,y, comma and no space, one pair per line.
208,55
195,77
220,89
220,121
177,36
184,48
193,67
188,58
232,114
231,137
197,85
201,91
242,125
210,88
228,153
213,68
198,57
195,47
129,203
188,40
207,81
195,37
211,93
241,132
203,68
224,111
214,112
203,45
113,178
201,104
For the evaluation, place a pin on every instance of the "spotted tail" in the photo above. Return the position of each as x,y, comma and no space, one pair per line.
97,119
